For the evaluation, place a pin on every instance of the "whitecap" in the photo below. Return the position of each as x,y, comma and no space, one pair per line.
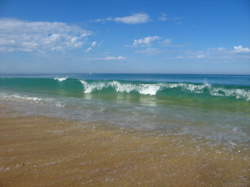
60,79
199,88
237,93
144,89
89,87
153,89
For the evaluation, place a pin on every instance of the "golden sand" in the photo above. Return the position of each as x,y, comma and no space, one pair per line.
40,151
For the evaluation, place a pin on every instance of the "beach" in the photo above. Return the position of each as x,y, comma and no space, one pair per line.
122,93
45,151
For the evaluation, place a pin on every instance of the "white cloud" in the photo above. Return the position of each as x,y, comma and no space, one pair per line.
152,45
132,19
145,41
240,49
91,47
111,58
27,36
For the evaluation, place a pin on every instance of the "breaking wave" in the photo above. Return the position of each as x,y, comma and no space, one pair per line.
60,79
165,88
145,89
76,87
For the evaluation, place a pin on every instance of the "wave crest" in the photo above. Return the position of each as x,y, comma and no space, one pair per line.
144,89
60,79
155,88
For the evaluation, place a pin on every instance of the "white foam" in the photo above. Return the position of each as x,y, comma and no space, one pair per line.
149,89
22,98
186,86
213,91
122,87
60,105
145,89
237,93
36,100
89,87
60,79
152,89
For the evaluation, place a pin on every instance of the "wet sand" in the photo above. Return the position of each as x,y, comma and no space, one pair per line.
41,151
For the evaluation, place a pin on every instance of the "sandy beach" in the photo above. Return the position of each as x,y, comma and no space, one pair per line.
122,93
42,151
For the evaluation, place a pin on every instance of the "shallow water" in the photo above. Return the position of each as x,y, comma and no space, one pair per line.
214,107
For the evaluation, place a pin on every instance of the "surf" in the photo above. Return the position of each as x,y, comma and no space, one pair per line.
74,86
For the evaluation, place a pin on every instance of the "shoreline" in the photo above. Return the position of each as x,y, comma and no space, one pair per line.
43,151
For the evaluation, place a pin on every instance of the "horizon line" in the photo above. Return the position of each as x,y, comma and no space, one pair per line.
36,73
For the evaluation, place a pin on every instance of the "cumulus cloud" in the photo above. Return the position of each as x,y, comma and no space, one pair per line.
152,45
241,49
91,47
111,58
28,36
132,19
145,41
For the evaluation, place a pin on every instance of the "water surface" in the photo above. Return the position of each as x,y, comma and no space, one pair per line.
215,107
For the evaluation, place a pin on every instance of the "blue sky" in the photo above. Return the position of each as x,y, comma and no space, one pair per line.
125,36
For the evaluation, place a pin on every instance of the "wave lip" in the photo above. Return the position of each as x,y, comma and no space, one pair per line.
188,86
144,89
60,79
153,88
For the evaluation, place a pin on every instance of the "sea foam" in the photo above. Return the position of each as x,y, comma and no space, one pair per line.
22,98
60,79
144,89
153,88
31,99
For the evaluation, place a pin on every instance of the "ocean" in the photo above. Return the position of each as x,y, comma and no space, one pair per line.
211,107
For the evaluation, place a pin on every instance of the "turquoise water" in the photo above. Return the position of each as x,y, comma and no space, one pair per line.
215,107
